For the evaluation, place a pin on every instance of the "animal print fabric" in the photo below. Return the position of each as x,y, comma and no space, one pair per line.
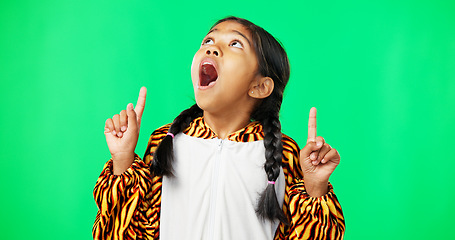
129,204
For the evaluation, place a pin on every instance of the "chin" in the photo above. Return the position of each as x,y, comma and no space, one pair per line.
203,104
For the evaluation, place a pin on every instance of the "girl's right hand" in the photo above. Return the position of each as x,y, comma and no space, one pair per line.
122,133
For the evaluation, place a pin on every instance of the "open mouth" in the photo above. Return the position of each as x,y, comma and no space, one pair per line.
207,74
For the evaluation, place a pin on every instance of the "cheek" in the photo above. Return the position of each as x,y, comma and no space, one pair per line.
195,70
241,71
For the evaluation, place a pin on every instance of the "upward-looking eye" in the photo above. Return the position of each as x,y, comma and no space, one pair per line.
236,43
207,41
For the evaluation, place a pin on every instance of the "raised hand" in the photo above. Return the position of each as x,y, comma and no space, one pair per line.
317,159
122,133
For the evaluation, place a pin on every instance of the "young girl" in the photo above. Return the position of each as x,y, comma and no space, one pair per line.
222,169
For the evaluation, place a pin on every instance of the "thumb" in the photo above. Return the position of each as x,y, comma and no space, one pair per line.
309,148
132,119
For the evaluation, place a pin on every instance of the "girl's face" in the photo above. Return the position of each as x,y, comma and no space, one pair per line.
224,69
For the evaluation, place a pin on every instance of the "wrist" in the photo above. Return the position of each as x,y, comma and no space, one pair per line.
121,162
123,157
315,187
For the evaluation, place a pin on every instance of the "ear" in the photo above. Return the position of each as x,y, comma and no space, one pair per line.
261,88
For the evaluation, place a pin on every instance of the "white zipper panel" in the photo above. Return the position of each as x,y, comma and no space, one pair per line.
214,194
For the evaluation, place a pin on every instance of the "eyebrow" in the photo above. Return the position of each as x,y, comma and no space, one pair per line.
235,31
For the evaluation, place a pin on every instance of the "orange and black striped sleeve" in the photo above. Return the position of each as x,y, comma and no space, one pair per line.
309,217
129,204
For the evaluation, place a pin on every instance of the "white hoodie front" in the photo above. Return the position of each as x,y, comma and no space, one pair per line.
215,191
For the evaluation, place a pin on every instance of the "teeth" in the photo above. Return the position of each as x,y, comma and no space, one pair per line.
205,63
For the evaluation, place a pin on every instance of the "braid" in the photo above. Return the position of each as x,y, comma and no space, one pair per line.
268,206
163,157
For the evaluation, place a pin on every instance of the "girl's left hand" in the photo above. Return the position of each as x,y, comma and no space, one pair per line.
318,160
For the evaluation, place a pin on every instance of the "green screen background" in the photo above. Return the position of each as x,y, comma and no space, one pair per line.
381,73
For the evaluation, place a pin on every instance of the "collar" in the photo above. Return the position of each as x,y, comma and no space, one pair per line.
199,128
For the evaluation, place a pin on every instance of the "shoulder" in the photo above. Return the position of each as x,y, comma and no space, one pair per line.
289,144
154,140
290,161
161,131
158,135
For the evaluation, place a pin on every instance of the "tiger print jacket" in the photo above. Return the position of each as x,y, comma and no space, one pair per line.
129,204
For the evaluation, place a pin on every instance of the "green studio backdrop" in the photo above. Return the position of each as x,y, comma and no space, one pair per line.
381,73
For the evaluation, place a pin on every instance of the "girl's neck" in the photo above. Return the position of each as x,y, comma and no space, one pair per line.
225,124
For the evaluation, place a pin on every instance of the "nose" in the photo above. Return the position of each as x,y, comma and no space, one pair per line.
213,50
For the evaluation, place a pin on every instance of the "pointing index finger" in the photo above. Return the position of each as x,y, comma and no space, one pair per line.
312,125
140,105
